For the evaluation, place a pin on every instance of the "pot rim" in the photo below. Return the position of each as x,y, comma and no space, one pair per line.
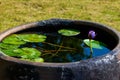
50,64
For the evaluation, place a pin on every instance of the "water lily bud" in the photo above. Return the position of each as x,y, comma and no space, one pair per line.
91,34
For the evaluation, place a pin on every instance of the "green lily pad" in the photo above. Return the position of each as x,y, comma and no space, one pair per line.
34,60
12,39
28,53
39,60
68,32
32,37
10,53
94,43
8,46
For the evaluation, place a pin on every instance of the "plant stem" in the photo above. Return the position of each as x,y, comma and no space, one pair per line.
59,46
56,51
91,50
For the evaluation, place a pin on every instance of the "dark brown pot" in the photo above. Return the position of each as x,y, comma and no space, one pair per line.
105,67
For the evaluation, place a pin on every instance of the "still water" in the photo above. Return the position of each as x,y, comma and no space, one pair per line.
59,48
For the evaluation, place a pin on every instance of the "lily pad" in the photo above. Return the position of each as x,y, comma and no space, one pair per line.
94,43
69,32
10,53
32,37
12,39
34,60
28,53
8,46
39,60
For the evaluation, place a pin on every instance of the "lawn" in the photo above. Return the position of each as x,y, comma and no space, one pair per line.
17,12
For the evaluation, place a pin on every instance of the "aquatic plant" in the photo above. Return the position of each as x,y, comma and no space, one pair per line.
23,46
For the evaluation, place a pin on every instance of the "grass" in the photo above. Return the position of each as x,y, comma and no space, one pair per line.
17,12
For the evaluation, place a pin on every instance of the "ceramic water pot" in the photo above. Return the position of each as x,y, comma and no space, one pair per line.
105,67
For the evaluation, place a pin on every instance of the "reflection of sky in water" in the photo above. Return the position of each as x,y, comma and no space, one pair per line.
78,51
72,42
96,52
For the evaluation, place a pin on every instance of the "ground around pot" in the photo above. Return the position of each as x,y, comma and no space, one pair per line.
17,12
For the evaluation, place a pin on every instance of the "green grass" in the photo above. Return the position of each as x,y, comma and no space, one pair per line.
17,12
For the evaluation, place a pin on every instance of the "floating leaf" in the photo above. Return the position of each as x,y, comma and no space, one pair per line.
94,43
34,60
32,37
10,53
39,60
68,32
12,39
8,46
28,53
